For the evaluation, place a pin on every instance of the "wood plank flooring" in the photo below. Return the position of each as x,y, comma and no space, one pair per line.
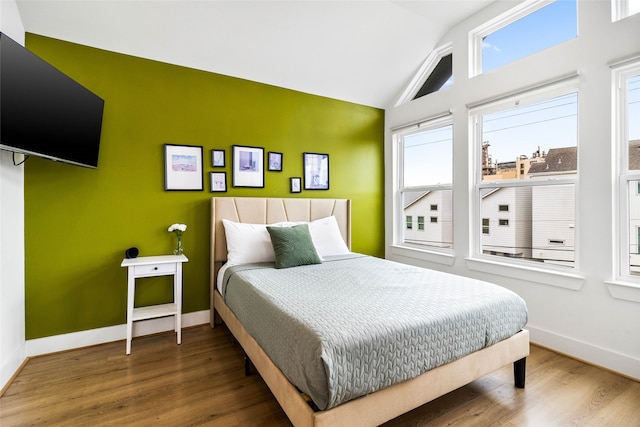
202,382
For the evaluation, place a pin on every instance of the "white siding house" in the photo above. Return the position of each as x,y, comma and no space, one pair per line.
428,219
553,209
634,209
506,222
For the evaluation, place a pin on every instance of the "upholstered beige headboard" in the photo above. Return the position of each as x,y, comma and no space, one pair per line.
266,210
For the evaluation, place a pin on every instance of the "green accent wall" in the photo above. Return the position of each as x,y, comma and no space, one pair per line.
79,221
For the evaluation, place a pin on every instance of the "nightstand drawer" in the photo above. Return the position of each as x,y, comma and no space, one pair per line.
154,269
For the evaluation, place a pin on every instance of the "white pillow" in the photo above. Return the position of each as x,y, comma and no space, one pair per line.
327,238
247,243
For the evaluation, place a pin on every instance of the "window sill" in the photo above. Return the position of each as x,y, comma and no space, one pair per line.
444,258
624,290
536,275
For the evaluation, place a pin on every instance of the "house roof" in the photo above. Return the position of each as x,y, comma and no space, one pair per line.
557,160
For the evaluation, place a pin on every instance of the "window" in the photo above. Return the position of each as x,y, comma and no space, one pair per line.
409,222
526,29
440,77
436,73
538,207
627,104
624,8
424,158
434,220
434,207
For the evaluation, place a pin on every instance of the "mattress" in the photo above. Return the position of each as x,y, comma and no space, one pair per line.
356,324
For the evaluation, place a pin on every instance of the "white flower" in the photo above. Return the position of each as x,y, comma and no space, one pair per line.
178,227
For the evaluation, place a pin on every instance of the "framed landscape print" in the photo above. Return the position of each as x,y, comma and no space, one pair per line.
316,171
248,166
183,167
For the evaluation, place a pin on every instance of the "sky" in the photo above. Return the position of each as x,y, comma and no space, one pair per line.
428,154
520,130
549,124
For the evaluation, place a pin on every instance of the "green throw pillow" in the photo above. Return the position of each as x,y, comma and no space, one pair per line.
293,246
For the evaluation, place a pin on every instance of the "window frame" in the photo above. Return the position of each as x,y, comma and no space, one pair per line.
477,36
436,254
622,237
620,10
563,86
427,67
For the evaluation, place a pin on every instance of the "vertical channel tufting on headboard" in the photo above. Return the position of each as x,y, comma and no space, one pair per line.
268,210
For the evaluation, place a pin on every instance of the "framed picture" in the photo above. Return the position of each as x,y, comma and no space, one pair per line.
248,166
218,181
275,161
295,184
183,167
217,158
316,171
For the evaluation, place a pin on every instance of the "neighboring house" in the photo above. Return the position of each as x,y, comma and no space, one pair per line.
429,219
634,209
506,222
553,209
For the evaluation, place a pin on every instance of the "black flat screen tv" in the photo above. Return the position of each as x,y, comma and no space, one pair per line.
45,113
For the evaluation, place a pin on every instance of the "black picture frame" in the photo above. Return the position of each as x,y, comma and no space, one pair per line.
183,169
274,161
218,182
218,158
316,171
248,166
295,184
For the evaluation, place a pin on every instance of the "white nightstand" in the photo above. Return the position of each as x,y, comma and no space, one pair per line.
150,266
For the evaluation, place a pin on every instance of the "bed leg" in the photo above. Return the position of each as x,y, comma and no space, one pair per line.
520,372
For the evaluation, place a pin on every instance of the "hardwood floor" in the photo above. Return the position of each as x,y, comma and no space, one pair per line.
202,382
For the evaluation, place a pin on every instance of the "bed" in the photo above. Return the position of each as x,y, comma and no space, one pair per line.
371,407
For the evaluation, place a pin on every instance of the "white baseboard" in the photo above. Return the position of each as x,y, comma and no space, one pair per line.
617,362
90,337
608,359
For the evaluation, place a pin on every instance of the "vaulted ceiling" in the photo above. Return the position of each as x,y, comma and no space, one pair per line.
358,51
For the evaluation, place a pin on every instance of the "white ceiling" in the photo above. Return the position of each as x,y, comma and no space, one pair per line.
359,51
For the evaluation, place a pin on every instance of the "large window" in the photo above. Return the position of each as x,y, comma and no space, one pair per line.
627,97
528,216
425,166
530,27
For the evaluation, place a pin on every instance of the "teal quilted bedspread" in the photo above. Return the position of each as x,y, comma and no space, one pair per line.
355,324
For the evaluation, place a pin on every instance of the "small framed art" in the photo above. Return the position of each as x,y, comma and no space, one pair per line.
217,158
248,166
316,171
295,184
218,181
275,161
183,167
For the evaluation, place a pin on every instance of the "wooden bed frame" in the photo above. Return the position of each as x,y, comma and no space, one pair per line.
373,409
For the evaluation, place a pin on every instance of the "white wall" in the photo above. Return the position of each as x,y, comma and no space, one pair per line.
575,313
12,323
